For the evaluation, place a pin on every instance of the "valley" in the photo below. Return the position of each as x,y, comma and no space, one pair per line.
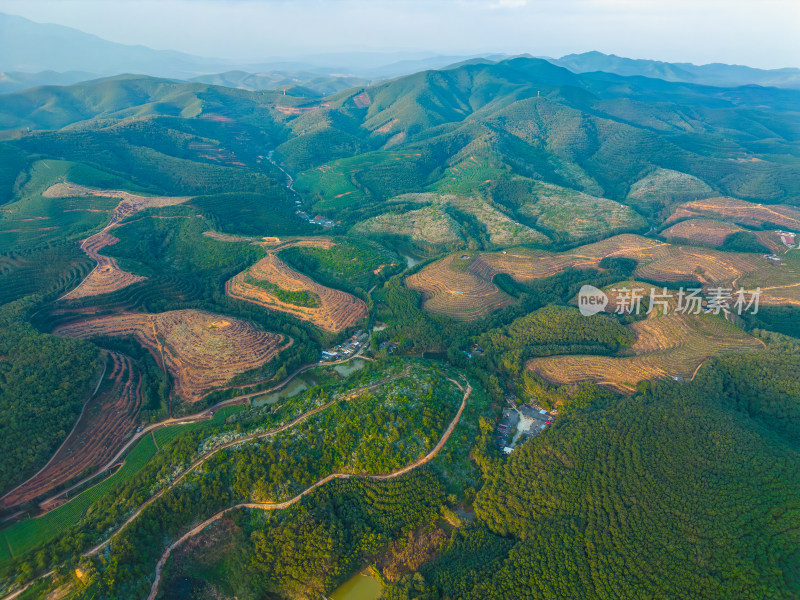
256,341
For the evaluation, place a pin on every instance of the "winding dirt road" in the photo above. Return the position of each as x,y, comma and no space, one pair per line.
48,503
282,505
248,438
269,505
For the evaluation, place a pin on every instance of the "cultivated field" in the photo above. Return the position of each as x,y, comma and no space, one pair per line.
705,231
22,536
739,211
428,224
463,289
456,287
326,308
201,351
104,426
107,276
666,346
577,214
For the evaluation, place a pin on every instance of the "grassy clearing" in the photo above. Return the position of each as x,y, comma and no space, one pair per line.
25,535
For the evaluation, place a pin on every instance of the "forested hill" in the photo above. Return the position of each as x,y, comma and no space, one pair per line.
597,133
684,491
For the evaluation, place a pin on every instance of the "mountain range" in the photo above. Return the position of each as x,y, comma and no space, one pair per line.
34,54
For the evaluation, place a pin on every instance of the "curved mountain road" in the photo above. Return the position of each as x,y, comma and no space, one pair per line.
201,416
282,505
248,438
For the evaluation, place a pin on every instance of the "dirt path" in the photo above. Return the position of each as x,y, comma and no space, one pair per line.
254,436
268,506
27,585
69,435
282,505
202,416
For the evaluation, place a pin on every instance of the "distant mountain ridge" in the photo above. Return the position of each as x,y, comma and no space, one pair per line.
33,54
15,81
716,74
30,47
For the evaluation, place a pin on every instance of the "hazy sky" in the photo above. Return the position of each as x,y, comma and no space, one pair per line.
762,33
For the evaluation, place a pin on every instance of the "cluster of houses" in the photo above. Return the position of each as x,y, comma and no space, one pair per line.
346,349
318,220
390,347
524,422
474,351
787,238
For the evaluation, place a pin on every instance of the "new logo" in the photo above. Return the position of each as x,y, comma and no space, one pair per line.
591,300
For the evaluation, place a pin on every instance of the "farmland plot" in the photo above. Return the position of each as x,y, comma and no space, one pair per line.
706,231
201,351
105,424
672,345
739,211
452,285
273,284
455,287
107,277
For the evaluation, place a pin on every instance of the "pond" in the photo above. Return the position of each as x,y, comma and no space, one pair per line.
296,386
361,586
350,367
410,260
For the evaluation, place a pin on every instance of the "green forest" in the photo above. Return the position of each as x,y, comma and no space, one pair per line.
412,447
44,383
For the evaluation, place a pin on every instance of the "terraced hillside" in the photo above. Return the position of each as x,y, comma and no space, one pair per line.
705,231
666,346
739,211
201,351
106,422
451,283
107,276
577,214
453,287
271,283
428,224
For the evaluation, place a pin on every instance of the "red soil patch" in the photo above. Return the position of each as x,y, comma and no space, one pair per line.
362,100
337,310
107,277
740,211
106,423
201,351
706,231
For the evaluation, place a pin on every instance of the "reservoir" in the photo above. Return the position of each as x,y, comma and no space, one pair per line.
360,586
350,367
